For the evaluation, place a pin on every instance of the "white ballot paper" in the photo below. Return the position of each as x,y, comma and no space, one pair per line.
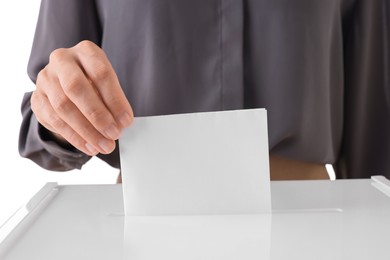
196,164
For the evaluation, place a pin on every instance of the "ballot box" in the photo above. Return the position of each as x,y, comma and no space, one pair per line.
342,219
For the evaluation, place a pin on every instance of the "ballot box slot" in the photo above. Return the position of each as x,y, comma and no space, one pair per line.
307,211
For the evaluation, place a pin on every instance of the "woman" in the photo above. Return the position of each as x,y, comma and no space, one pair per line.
320,68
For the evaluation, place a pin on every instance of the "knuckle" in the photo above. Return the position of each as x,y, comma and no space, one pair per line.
86,45
36,102
58,55
75,139
88,48
56,122
61,103
72,84
87,132
100,72
96,116
42,77
115,103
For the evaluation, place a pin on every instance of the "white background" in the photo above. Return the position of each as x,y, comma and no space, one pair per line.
19,177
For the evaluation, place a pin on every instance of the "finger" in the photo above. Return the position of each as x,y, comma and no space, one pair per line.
80,91
66,110
99,70
47,117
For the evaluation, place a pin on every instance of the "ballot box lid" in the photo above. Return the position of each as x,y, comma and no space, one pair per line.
342,219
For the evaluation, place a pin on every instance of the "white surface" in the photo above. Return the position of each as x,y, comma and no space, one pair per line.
19,177
224,237
77,224
9,232
339,220
197,163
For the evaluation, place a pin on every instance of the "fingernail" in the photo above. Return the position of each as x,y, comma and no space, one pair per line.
113,132
91,149
125,119
106,146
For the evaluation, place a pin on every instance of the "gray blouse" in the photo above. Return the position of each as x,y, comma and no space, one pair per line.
320,68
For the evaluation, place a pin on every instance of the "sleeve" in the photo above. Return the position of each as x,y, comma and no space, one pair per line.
61,24
366,134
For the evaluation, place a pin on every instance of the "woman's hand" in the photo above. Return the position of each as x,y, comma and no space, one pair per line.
78,97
